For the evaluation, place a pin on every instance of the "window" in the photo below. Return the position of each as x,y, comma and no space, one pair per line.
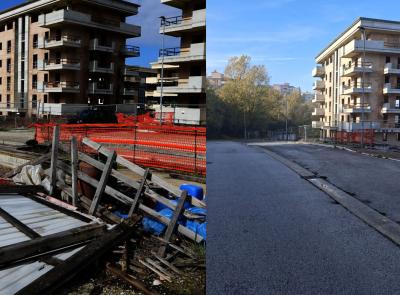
35,41
34,18
397,102
1,46
384,136
387,59
1,63
10,25
45,98
46,78
330,77
398,136
34,82
9,46
35,61
8,83
387,80
1,81
8,101
34,101
9,65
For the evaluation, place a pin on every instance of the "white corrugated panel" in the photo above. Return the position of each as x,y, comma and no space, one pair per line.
42,219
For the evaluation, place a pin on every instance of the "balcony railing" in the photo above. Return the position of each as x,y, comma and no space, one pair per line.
61,61
388,88
170,51
130,50
62,84
357,108
176,20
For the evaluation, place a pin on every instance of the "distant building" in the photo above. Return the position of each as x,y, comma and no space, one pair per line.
286,88
216,79
308,96
135,80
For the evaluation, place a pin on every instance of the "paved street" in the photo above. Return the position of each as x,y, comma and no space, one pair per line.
271,232
372,180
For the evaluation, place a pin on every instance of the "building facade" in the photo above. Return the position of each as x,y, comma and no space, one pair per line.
184,68
359,85
57,51
216,79
286,89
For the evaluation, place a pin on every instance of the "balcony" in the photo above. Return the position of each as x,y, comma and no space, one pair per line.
96,67
101,88
390,109
128,71
391,69
97,45
194,84
62,64
62,87
174,26
196,52
356,88
357,126
319,85
131,51
318,112
357,108
130,91
356,47
389,89
357,68
317,124
318,98
64,16
57,42
318,71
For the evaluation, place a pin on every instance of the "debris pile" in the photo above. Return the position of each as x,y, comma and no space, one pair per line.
149,233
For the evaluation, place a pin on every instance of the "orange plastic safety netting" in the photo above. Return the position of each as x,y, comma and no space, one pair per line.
356,137
174,148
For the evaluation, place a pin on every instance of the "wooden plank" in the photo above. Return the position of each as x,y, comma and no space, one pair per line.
54,159
162,276
41,246
22,227
139,170
131,280
102,183
33,162
127,180
174,220
81,261
128,201
74,169
159,267
166,263
139,193
21,189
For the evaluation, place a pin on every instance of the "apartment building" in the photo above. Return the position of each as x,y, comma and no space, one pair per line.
57,51
216,79
286,89
184,67
359,85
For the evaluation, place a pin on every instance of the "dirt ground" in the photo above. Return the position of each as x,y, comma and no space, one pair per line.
16,137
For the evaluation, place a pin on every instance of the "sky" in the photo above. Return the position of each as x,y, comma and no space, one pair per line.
283,35
148,18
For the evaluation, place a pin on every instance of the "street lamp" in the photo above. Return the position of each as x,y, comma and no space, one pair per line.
363,88
163,20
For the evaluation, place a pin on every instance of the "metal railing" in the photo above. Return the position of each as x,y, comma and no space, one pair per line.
61,84
132,49
357,64
176,20
61,61
170,51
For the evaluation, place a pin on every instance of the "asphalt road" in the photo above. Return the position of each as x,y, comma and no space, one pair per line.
373,181
271,232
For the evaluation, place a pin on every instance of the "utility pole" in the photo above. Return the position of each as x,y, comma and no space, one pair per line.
287,134
163,21
363,88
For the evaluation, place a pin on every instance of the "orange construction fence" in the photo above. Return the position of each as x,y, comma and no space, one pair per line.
355,137
174,148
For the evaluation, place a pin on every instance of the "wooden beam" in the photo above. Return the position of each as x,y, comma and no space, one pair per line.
81,261
33,162
54,159
21,189
134,282
22,227
139,170
172,225
128,201
139,193
102,183
74,169
41,246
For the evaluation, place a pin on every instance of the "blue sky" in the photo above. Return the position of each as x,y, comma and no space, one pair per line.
148,18
284,35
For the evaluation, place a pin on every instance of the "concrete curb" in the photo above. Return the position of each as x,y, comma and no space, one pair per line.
380,223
